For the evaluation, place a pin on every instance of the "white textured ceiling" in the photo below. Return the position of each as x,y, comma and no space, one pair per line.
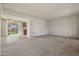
45,11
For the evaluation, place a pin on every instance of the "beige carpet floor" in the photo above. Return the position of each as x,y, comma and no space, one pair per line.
47,45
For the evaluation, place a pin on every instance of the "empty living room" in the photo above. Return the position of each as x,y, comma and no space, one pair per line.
39,29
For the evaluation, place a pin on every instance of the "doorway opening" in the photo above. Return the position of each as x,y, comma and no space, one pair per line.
24,28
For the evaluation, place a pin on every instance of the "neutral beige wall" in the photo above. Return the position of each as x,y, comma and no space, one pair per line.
3,31
0,28
0,36
66,26
78,26
0,24
38,27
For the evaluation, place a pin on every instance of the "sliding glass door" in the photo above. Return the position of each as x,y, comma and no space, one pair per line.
12,27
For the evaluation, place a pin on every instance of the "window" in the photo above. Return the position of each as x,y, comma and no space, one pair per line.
12,28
